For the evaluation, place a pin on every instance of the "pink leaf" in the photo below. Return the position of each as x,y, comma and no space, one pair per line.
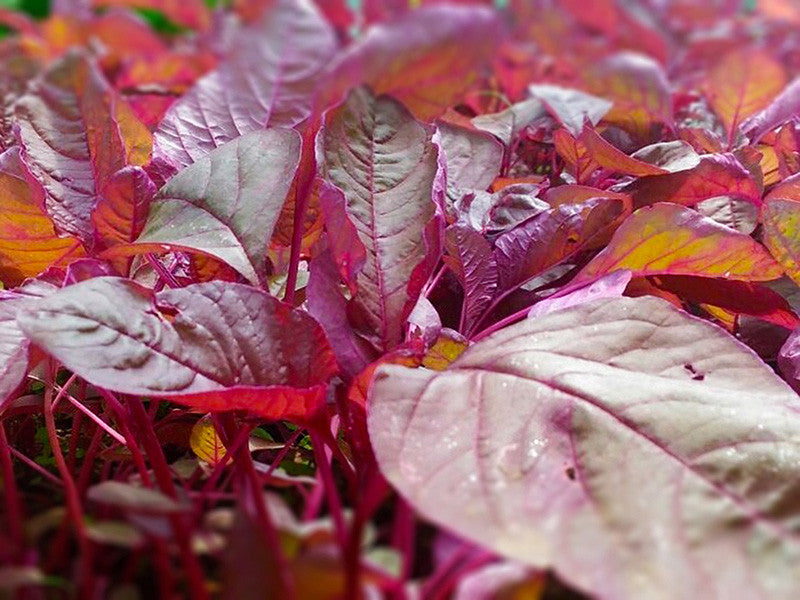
595,441
385,164
212,346
268,80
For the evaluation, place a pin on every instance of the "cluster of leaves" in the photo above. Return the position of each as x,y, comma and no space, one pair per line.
407,300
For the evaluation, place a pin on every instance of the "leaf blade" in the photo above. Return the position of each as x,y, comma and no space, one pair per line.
213,346
668,239
574,380
385,164
194,210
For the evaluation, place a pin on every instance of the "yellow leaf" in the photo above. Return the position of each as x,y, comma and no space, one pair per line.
444,351
206,443
28,241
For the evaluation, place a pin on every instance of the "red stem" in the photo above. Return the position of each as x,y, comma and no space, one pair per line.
163,273
13,504
194,572
74,509
249,479
305,180
323,458
132,444
403,536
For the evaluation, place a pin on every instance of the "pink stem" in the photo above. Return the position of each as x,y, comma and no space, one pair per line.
163,273
194,572
74,509
14,512
305,181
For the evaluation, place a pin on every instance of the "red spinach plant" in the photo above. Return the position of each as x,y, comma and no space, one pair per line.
307,301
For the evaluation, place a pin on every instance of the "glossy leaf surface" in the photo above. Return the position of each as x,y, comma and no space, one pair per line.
227,203
638,426
269,80
421,59
212,346
742,83
715,175
667,239
75,134
781,219
781,110
384,162
14,345
471,258
554,236
121,211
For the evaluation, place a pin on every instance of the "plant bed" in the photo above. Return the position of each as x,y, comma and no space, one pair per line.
399,300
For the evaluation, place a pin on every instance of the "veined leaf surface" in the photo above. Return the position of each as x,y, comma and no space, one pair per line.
212,346
421,59
76,133
639,452
668,239
227,203
385,164
269,80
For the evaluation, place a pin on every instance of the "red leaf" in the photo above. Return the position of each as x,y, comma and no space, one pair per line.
782,109
268,80
194,210
212,346
385,165
781,218
742,83
28,242
75,134
667,239
122,208
738,297
471,259
421,59
639,89
189,13
14,345
608,157
716,175
554,236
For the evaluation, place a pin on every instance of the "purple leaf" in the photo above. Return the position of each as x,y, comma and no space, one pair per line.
269,80
715,175
472,260
783,108
227,203
14,345
424,322
498,212
473,158
570,107
552,237
622,443
639,88
346,247
421,59
608,286
789,359
507,124
18,70
673,156
329,307
121,211
212,346
385,164
71,134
